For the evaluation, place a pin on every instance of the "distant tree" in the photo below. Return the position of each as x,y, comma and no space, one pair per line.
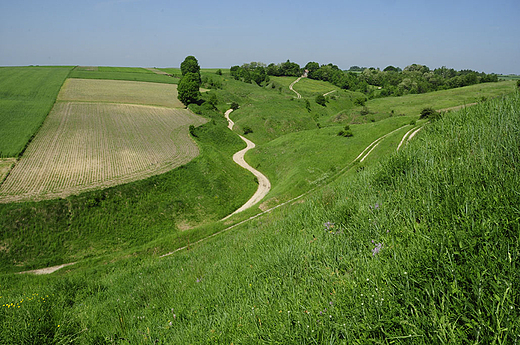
312,67
321,100
518,83
188,89
190,65
392,69
219,72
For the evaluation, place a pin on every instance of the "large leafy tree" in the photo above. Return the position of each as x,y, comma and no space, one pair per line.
188,89
190,65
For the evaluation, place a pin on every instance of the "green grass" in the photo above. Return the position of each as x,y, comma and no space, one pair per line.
509,77
413,104
121,73
306,87
27,94
444,210
299,161
115,219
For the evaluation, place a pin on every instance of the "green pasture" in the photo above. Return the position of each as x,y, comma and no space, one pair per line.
27,94
306,87
121,73
413,104
297,162
420,248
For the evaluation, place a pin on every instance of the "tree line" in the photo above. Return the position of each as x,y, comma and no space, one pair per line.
391,81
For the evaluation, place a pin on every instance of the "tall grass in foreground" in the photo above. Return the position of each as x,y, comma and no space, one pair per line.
424,249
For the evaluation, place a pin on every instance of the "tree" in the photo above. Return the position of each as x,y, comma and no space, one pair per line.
188,89
190,65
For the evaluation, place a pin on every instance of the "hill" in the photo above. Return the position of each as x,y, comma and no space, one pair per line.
420,248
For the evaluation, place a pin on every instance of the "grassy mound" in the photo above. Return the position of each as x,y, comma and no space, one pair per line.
422,249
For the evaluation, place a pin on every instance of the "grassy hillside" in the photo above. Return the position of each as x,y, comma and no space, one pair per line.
107,221
26,97
422,249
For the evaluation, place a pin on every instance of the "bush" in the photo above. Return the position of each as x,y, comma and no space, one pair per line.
234,105
518,83
413,123
429,113
247,130
360,101
321,100
345,133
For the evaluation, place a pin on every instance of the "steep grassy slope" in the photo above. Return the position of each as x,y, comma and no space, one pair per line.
106,221
421,249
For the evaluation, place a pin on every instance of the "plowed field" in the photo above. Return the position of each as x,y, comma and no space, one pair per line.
120,91
83,146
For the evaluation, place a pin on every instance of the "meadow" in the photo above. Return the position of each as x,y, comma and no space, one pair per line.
422,247
27,94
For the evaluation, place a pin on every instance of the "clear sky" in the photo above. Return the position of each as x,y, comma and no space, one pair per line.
462,34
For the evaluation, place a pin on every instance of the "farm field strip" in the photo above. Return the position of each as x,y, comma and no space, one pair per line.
84,146
120,91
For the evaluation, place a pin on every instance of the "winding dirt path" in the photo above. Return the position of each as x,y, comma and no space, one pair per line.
291,87
264,186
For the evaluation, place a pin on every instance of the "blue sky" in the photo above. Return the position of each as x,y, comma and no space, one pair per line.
462,34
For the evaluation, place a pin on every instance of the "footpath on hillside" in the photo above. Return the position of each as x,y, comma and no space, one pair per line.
264,186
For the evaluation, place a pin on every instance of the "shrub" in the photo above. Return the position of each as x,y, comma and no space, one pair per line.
429,113
321,100
247,130
234,105
518,83
412,122
360,101
345,133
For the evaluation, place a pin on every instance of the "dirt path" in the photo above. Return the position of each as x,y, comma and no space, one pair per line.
363,154
328,93
291,87
264,186
47,270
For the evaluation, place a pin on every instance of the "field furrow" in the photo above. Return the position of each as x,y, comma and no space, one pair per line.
84,146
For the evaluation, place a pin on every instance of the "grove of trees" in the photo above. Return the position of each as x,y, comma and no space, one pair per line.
391,81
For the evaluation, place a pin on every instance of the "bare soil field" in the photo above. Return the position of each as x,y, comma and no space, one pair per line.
83,146
120,91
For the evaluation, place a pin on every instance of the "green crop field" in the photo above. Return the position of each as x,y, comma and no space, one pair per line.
121,73
27,94
119,91
85,146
